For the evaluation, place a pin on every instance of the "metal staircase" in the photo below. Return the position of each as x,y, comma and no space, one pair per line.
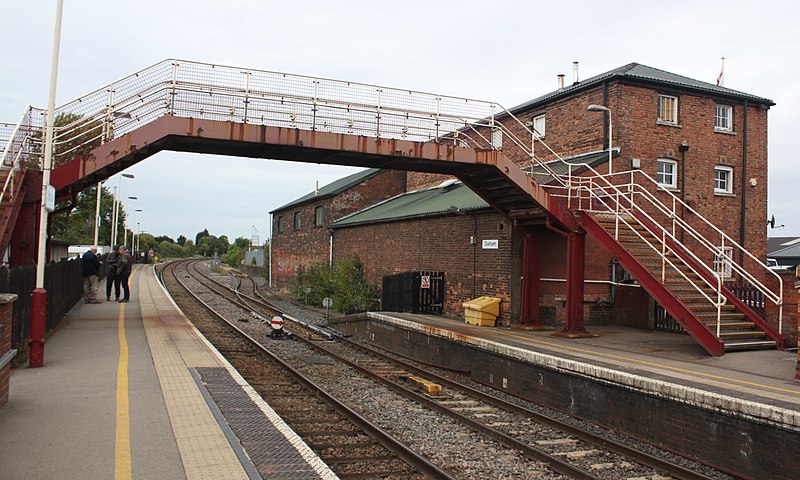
708,305
687,264
15,142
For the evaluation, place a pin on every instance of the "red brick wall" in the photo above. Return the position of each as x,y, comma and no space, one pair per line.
297,249
6,312
439,244
442,243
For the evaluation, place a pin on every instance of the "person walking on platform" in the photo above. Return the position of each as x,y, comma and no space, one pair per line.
111,274
90,269
124,266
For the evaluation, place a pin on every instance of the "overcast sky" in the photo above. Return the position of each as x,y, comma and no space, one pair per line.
504,51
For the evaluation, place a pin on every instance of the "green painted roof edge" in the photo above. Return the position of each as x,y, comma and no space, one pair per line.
365,216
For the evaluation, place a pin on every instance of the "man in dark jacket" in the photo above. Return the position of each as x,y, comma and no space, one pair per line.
111,274
90,269
124,266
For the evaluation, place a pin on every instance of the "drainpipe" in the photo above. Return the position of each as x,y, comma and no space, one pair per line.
271,244
330,249
742,221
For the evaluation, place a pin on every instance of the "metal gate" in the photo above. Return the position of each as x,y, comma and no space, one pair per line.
413,292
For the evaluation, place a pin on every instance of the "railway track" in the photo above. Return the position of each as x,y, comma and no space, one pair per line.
351,445
564,448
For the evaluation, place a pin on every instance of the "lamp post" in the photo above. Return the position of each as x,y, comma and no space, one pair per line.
133,232
115,220
600,108
138,234
125,223
97,213
38,323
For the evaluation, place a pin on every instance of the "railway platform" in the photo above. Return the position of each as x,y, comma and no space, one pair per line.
758,384
134,391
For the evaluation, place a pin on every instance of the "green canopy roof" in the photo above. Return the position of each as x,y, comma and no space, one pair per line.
419,203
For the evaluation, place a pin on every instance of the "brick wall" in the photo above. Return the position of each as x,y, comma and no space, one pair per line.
6,319
442,243
297,249
439,244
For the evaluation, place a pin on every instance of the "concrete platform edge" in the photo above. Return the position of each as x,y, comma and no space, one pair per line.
304,450
692,396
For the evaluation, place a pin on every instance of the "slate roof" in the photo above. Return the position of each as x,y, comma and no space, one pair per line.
636,72
419,203
777,243
593,159
789,247
333,188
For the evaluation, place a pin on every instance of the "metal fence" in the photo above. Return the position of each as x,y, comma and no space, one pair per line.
64,286
413,292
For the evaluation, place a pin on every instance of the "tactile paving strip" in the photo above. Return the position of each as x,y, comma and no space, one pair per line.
269,450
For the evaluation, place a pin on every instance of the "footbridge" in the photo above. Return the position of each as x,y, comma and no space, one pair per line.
196,107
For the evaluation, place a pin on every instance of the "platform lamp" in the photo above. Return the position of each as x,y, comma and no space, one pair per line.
125,223
600,108
133,232
115,219
38,319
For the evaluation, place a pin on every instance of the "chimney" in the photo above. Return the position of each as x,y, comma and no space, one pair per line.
575,78
561,81
316,189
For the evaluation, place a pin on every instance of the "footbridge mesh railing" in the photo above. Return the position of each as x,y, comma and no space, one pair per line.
241,95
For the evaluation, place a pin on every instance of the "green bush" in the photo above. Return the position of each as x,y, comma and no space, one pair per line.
344,283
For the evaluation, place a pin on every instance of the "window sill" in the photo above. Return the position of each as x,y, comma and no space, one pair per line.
668,124
724,194
724,132
668,188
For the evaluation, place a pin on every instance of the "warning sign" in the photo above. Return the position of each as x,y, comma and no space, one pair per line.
425,281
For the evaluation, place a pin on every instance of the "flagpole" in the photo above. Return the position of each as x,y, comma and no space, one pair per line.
721,77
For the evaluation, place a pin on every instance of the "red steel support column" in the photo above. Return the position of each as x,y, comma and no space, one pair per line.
576,256
529,309
38,327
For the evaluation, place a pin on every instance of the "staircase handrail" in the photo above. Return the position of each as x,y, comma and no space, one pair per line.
664,233
688,227
14,162
662,254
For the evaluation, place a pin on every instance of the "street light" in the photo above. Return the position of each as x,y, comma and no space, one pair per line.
115,220
125,224
600,108
38,323
133,234
97,213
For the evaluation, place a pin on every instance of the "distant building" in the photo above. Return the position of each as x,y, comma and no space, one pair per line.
300,235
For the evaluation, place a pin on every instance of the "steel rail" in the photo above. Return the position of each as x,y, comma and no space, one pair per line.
644,458
425,466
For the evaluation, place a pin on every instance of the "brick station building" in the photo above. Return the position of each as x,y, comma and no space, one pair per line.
705,143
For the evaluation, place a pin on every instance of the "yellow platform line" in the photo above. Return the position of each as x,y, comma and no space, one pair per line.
122,441
655,364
